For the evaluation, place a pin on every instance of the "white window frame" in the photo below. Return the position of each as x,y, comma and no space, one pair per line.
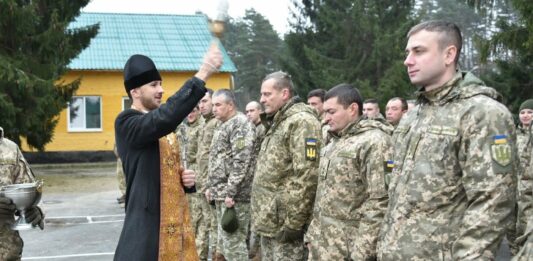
84,129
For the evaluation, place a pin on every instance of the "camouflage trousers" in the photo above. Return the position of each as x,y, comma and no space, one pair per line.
273,250
10,243
233,245
201,221
213,230
121,178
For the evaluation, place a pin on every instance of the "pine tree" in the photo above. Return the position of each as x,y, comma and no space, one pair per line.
36,45
354,41
253,46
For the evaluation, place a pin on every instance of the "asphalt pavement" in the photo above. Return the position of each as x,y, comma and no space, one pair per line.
83,219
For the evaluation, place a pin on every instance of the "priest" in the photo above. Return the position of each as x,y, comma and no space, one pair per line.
156,225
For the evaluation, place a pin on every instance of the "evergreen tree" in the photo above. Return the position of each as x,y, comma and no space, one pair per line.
253,46
36,46
512,75
355,41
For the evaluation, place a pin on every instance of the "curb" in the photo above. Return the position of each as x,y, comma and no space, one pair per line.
67,220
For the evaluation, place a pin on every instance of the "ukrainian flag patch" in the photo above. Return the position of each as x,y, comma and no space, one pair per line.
311,149
389,165
500,139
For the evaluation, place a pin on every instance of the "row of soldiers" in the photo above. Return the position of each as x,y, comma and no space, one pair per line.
438,181
438,184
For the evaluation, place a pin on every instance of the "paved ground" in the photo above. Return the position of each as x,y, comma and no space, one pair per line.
83,219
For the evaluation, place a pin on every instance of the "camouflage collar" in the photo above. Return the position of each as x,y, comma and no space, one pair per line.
438,94
208,116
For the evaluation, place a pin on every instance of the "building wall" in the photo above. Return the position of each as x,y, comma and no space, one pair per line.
110,87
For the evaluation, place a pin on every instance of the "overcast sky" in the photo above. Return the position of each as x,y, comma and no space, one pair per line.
276,11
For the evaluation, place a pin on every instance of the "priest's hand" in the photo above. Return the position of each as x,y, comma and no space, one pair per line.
188,178
208,195
211,63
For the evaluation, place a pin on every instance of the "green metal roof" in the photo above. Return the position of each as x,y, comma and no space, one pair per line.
174,42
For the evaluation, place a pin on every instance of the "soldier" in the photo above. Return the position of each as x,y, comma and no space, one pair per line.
253,111
371,108
230,175
121,179
453,187
315,99
352,196
285,181
188,133
525,177
526,239
14,170
204,143
395,109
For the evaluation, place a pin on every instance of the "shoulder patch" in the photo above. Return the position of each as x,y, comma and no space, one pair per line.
239,143
501,150
310,149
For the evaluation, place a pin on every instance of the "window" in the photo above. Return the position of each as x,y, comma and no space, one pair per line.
126,103
85,113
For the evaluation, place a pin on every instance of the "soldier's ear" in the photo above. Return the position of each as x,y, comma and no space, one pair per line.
354,108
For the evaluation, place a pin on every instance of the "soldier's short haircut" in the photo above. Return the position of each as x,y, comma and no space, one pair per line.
282,80
210,91
402,100
228,96
256,104
320,93
346,95
371,100
450,34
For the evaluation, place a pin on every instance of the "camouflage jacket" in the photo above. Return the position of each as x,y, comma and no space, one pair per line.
522,138
202,156
13,170
259,135
188,135
232,147
453,186
525,183
285,180
352,196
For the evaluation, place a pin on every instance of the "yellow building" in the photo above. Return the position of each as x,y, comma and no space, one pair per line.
176,44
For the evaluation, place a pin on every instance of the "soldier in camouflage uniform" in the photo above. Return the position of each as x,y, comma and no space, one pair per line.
525,176
202,157
525,240
253,112
453,186
351,198
13,170
230,174
285,181
188,133
315,99
121,179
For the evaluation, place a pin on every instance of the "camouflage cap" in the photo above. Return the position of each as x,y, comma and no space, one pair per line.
229,220
528,104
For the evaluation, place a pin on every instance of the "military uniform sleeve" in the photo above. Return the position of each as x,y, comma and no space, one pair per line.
23,173
525,191
242,145
192,148
488,161
373,209
303,179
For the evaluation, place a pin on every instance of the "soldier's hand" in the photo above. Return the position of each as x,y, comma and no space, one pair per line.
7,208
188,178
288,235
35,216
229,202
